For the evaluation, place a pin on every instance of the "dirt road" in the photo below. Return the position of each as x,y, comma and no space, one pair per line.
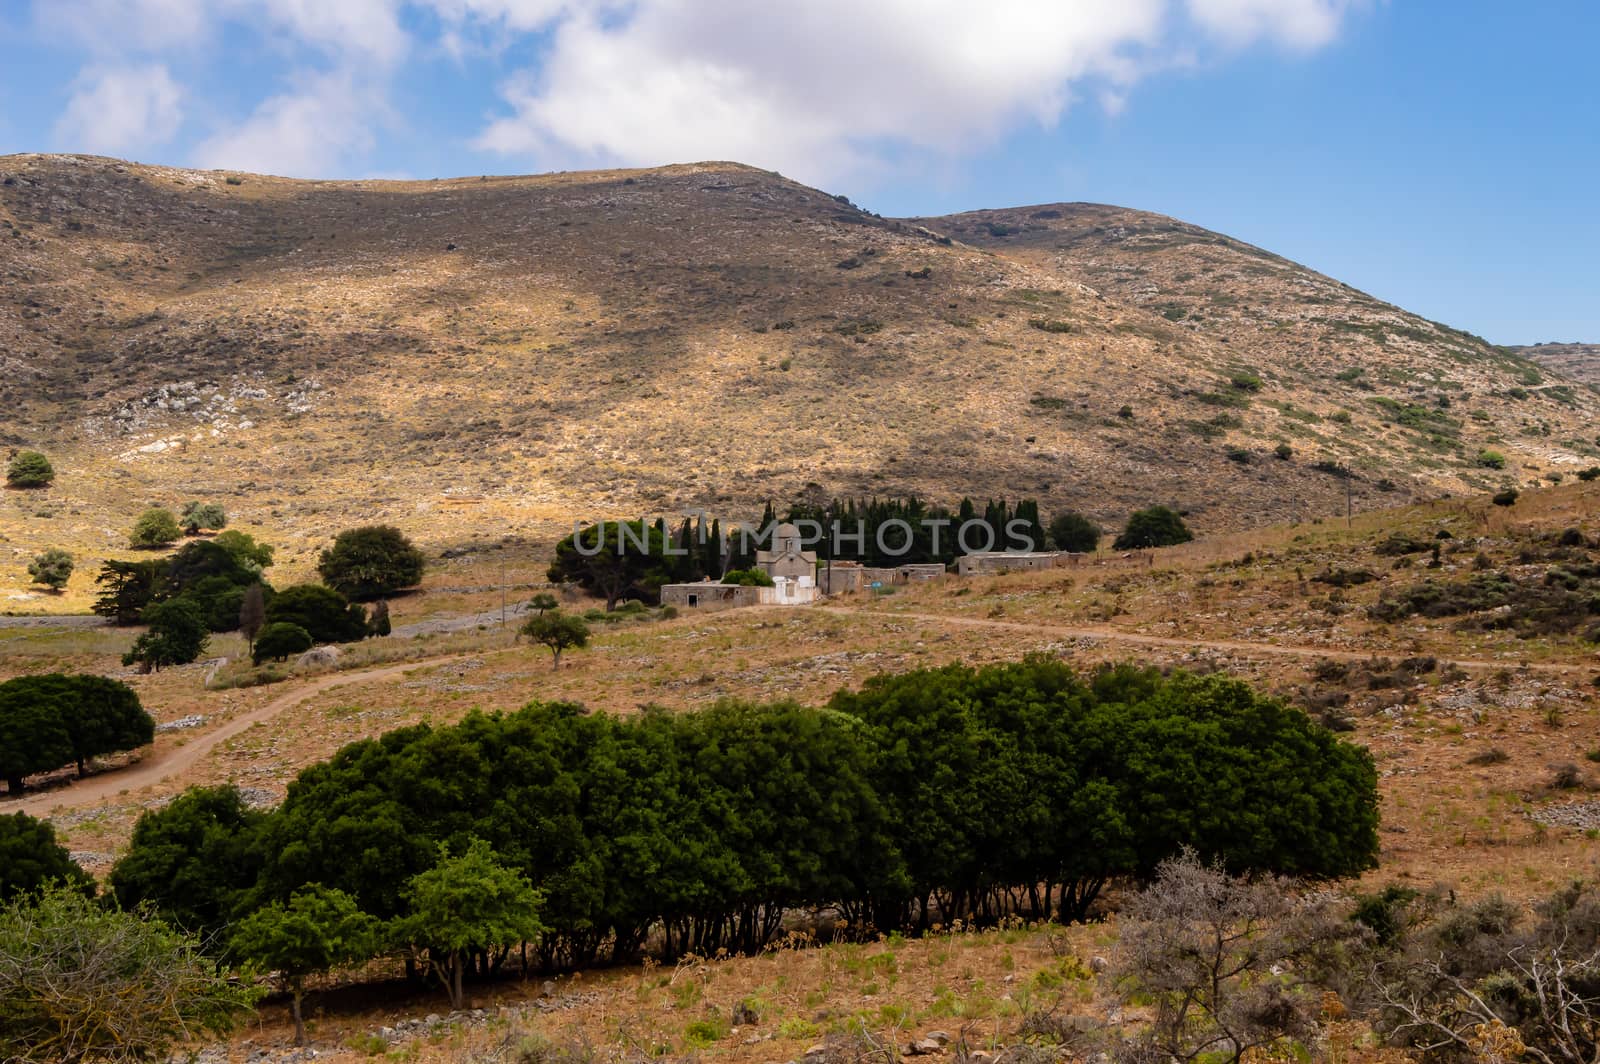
177,760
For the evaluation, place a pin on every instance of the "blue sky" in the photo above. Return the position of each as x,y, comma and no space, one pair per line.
1443,156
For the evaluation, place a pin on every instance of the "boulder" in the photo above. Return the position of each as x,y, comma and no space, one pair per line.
319,656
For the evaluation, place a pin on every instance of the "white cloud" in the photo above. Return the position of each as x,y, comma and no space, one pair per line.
1297,23
121,110
828,87
314,130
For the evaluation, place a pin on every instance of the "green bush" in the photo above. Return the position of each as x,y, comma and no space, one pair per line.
280,640
29,469
1491,459
1074,532
202,515
52,568
155,528
30,858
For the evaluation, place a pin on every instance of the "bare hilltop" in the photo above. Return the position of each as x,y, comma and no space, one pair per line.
490,357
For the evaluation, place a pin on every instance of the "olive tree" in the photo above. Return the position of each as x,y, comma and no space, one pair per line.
558,631
155,528
202,515
52,568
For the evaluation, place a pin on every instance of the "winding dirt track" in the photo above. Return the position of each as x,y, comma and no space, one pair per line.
176,760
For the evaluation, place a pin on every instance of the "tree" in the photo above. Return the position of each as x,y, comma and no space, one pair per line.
318,931
33,729
106,717
321,611
465,904
378,624
1071,531
202,515
31,858
80,981
245,550
616,560
29,469
192,859
543,602
52,568
252,613
558,631
1156,526
155,528
370,562
279,640
747,578
177,635
130,587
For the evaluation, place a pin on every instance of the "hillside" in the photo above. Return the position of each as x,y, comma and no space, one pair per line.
486,358
1581,362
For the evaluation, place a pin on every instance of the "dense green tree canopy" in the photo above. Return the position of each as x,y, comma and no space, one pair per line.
321,611
1155,526
1074,532
558,631
192,858
317,931
51,720
371,562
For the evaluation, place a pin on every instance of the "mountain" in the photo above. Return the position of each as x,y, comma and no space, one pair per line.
492,357
1581,362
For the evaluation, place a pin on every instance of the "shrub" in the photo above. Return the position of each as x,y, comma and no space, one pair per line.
1156,526
52,568
1283,452
1074,532
748,578
29,469
280,640
81,981
1125,412
1245,382
1589,474
1240,455
1491,459
371,562
155,528
1508,497
30,858
202,515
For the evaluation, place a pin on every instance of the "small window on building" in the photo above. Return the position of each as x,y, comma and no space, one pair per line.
694,600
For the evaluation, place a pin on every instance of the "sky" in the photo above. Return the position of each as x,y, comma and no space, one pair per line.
1441,154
